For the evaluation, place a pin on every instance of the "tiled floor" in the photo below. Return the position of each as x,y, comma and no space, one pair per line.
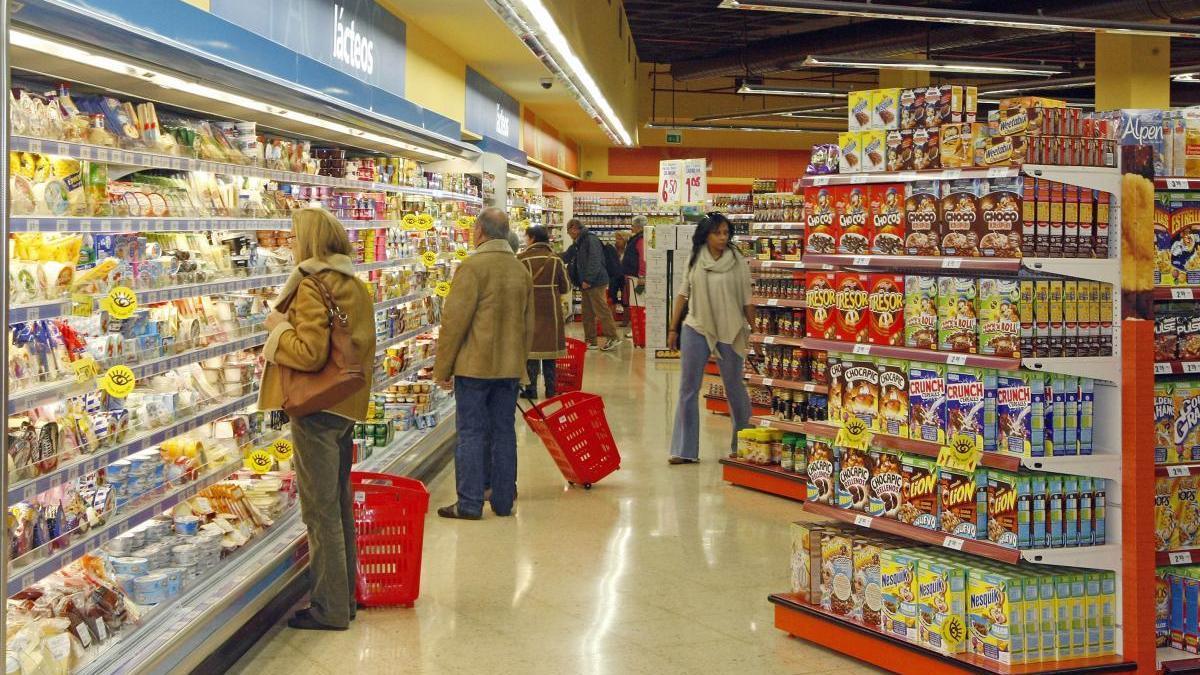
658,569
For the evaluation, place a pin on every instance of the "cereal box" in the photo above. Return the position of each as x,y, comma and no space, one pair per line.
1055,507
989,410
1001,212
1165,449
1185,241
820,220
1108,599
1029,215
1078,610
1162,607
874,149
1016,120
1191,618
898,583
1087,511
999,317
1048,604
961,221
1187,420
1038,532
955,145
1031,626
1144,127
1002,491
1164,270
1014,414
927,401
1071,510
941,593
885,108
822,471
927,149
860,394
997,150
921,214
893,397
854,235
806,560
899,150
1071,346
920,312
920,503
1071,416
850,152
1099,510
958,323
866,597
1071,244
1024,512
885,301
850,299
1039,405
965,388
859,108
1087,224
912,108
1106,319
887,207
1176,612
837,568
1057,318
1187,513
1041,317
887,484
820,299
963,502
854,479
1092,611
993,609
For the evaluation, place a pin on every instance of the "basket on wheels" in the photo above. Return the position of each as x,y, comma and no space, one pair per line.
637,326
576,433
389,520
569,369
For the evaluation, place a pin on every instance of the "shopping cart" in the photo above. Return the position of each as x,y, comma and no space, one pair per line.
576,433
569,369
389,519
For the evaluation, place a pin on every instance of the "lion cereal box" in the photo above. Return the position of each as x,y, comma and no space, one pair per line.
993,610
941,591
927,401
958,322
898,583
1014,414
885,108
999,318
874,149
820,220
960,217
1002,492
920,504
860,396
866,599
887,484
885,301
927,149
822,471
921,214
849,152
965,406
887,208
850,298
854,234
837,567
893,393
854,479
1187,420
1025,312
820,299
858,105
920,312
1165,449
1001,211
963,502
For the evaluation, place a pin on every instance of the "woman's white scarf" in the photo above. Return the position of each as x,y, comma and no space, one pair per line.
337,262
700,304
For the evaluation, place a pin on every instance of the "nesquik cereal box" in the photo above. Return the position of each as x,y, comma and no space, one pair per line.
885,108
941,590
898,582
993,609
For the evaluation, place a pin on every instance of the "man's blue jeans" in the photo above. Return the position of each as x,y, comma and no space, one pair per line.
487,443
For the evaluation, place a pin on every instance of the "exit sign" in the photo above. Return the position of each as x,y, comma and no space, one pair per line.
675,137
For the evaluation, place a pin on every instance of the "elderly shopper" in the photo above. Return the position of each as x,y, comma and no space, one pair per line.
485,339
586,266
549,284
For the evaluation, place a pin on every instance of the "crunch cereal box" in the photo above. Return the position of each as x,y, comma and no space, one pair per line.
958,322
820,299
885,300
820,220
1001,211
898,582
920,312
854,235
850,297
1014,414
921,213
893,393
965,401
920,504
999,317
887,207
927,401
961,220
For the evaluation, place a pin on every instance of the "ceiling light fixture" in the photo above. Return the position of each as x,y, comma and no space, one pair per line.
972,18
733,127
538,30
810,92
933,66
771,112
165,80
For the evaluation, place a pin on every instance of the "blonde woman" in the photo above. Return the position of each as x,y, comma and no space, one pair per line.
299,339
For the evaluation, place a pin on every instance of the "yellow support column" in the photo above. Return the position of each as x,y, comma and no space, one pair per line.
904,79
1132,71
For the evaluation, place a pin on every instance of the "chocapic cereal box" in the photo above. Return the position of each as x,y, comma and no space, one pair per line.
941,590
898,583
860,395
822,471
887,484
893,397
854,479
920,312
837,388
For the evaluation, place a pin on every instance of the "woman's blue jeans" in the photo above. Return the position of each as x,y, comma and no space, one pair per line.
693,357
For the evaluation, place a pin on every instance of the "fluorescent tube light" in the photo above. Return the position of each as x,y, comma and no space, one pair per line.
972,18
165,80
733,127
934,66
811,92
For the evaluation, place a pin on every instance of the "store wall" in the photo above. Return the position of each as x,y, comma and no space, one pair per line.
543,142
435,74
730,169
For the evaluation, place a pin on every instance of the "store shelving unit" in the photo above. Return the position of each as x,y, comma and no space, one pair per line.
764,478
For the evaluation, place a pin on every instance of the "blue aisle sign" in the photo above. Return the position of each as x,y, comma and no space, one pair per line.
490,112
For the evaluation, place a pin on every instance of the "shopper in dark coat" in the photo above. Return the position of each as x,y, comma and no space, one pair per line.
586,267
549,332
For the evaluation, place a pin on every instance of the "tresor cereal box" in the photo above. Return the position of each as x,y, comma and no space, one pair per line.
920,312
850,297
958,322
999,317
821,221
885,300
921,215
820,299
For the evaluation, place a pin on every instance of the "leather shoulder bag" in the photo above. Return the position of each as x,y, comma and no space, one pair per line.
305,393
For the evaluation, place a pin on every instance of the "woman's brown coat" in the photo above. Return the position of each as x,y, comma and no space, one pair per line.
549,284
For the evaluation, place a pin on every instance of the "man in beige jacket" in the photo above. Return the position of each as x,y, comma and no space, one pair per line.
486,335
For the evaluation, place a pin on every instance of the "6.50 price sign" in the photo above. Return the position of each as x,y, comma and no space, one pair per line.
670,174
682,181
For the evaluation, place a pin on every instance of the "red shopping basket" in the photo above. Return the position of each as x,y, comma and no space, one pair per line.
576,433
569,369
637,326
389,519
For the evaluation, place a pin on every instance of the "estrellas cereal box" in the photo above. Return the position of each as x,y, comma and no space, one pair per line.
958,322
963,502
850,298
1187,420
866,597
885,300
921,213
965,401
887,207
920,504
821,220
860,394
820,299
837,568
920,312
1001,212
887,484
893,397
960,217
999,317
854,235
927,401
941,591
1014,414
898,583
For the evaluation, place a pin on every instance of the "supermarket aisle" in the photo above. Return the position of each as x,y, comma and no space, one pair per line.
657,570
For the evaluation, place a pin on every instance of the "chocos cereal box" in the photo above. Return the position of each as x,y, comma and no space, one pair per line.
999,317
1001,210
821,220
960,217
885,300
820,299
854,225
898,582
920,312
887,208
850,298
958,318
921,215
893,397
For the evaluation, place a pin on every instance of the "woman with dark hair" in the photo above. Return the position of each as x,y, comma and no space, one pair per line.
716,299
549,284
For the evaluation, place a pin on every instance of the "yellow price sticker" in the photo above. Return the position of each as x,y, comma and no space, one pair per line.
461,254
961,453
410,221
429,258
86,369
121,302
261,460
424,222
854,434
283,449
82,304
442,289
117,381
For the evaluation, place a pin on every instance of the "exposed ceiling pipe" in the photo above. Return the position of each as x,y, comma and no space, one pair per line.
884,38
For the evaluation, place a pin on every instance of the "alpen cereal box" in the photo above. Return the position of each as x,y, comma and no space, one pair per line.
927,401
941,591
920,312
898,583
1144,127
958,319
999,317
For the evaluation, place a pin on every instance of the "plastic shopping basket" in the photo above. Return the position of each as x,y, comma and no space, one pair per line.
570,367
576,433
389,519
637,325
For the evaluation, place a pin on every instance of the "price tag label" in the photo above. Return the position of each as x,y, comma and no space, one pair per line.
82,304
283,449
429,258
1162,369
997,172
862,260
769,340
461,254
86,369
953,542
767,382
121,302
962,453
260,461
904,176
1191,366
862,350
117,381
952,174
819,181
951,263
956,359
772,302
1180,557
1177,184
442,289
863,520
1181,294
859,179
764,423
1177,471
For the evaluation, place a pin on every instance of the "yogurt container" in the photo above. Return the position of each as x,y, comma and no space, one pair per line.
150,589
186,554
131,565
174,580
187,525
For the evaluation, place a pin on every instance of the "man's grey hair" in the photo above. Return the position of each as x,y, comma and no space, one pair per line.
494,223
514,241
640,221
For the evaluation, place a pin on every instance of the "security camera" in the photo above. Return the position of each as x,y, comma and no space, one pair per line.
546,82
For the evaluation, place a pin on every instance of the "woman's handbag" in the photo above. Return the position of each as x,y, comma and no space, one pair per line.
305,393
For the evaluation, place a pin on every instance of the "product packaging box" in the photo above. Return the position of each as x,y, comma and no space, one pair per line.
920,311
837,569
885,108
860,397
965,402
898,146
885,302
850,152
926,145
927,401
822,472
920,492
898,585
1003,488
894,411
887,213
913,108
1144,127
1001,211
993,612
851,297
821,220
955,145
820,295
867,601
854,225
941,587
958,322
873,145
1014,414
999,317
961,219
963,506
859,108
806,561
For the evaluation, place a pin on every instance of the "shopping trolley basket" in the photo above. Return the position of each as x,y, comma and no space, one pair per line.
389,520
569,369
576,433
